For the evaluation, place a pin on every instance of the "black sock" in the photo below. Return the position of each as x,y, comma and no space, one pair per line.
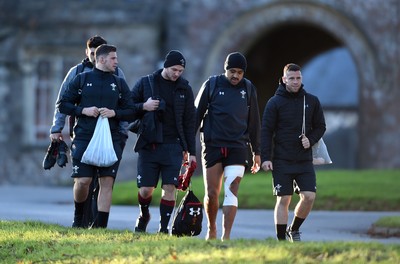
79,208
281,232
144,206
297,221
166,209
102,219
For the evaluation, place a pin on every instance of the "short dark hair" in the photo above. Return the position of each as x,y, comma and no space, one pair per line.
95,41
104,49
291,67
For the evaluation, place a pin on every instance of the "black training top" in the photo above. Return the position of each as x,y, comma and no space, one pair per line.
100,89
227,118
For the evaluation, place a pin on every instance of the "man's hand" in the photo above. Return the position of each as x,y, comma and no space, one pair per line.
151,105
56,137
256,164
305,142
267,165
91,111
105,112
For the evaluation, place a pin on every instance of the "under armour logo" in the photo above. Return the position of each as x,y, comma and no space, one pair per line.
182,96
75,169
243,93
139,178
194,212
89,84
113,86
221,93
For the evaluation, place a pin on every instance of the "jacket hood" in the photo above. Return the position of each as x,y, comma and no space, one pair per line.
86,63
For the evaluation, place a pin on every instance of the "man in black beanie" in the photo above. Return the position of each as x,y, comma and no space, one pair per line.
227,111
168,114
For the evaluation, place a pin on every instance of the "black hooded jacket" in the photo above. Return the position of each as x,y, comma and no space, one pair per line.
282,125
183,110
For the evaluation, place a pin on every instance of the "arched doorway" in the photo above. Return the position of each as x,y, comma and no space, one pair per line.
278,34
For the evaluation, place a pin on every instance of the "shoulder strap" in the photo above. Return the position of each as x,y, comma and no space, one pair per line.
79,68
150,78
213,84
303,128
248,91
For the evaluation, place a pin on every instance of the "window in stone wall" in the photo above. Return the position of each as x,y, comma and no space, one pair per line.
44,77
43,95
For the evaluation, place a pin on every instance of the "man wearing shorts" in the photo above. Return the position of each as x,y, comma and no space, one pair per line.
229,120
286,149
166,137
98,97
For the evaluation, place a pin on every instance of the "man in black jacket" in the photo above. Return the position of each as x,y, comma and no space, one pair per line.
286,148
227,111
98,97
166,137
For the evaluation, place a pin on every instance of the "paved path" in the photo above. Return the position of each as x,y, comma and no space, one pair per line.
54,205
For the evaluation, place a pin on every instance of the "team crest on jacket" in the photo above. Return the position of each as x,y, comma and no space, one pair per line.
243,92
113,85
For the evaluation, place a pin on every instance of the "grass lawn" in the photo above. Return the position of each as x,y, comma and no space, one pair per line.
34,242
359,190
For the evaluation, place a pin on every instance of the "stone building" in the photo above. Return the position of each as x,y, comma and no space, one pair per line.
40,40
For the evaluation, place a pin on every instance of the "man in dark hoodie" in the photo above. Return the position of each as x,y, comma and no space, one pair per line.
227,111
166,137
101,95
286,149
56,136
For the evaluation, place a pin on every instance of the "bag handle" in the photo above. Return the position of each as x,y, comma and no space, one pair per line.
303,128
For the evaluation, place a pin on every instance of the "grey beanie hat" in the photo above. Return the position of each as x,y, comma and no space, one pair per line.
174,57
235,60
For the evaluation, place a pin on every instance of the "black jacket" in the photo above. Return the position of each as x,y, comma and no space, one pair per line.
227,118
282,125
183,110
99,90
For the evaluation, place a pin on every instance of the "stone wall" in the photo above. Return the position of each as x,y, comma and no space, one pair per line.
205,31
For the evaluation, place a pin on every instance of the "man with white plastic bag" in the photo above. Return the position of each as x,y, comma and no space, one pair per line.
106,96
293,121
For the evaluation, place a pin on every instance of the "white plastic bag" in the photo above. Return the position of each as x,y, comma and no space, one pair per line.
100,151
320,153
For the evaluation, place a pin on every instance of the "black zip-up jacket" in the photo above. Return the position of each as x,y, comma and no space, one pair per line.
183,109
282,125
100,90
226,119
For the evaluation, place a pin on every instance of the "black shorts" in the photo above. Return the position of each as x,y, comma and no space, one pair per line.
80,169
227,156
159,160
286,174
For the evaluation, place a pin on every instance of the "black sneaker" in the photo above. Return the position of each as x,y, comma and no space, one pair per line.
78,221
163,231
293,236
51,155
141,224
62,158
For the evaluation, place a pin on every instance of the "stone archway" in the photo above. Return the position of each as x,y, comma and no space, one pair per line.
312,27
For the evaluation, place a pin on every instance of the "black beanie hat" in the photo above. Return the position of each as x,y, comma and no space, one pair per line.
235,60
174,57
